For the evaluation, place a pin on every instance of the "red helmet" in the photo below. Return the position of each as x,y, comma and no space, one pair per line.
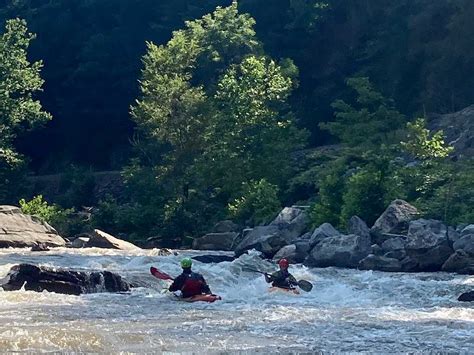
284,263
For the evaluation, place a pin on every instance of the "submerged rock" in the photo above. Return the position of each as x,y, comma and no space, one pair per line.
34,278
467,297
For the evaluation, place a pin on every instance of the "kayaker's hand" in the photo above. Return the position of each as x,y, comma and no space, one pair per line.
268,278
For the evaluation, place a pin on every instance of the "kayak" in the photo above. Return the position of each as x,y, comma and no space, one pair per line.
293,291
202,298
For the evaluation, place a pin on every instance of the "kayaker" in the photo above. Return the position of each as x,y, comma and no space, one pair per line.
189,283
282,278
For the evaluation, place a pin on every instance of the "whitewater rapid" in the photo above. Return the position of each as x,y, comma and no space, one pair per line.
347,310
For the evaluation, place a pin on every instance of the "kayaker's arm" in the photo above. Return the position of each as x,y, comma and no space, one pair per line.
205,287
177,284
292,281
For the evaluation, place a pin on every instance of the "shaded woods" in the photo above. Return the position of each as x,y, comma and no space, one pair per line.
237,112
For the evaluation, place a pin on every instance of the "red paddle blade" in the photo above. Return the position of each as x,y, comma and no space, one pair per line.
159,274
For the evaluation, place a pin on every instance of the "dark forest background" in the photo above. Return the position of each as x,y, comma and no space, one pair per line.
377,63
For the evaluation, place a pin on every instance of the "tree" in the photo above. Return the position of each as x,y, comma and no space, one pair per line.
368,123
19,81
213,115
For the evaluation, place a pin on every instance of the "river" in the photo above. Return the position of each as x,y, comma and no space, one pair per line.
347,310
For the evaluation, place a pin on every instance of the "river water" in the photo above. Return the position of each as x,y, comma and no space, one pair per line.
347,310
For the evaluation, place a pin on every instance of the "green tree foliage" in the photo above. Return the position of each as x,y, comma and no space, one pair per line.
369,123
257,205
421,146
364,196
213,115
331,190
19,111
61,219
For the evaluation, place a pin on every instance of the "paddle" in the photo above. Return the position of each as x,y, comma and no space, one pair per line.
160,274
303,284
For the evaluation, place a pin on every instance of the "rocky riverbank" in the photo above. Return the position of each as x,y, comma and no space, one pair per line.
399,241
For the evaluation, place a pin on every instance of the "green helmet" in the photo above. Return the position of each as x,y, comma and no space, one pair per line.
186,263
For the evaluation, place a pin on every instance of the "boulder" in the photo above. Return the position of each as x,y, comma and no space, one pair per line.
376,250
426,234
293,220
396,254
215,241
325,230
465,243
19,230
358,227
466,297
40,247
394,221
295,253
381,263
34,278
459,262
208,259
340,251
433,259
267,239
79,242
287,227
226,226
458,128
426,260
409,264
453,235
468,229
99,239
393,244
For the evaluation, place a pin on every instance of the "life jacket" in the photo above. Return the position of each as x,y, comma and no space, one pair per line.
192,285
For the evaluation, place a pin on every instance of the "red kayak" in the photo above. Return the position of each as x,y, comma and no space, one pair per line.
203,298
285,290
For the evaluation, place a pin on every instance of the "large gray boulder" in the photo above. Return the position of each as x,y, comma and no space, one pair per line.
381,263
294,253
358,227
267,239
465,243
459,262
19,230
287,227
426,234
293,220
99,239
340,251
432,259
34,278
428,244
215,241
394,221
469,229
225,227
325,230
458,128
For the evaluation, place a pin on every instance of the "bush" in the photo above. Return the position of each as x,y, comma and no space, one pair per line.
61,219
257,205
331,189
364,196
